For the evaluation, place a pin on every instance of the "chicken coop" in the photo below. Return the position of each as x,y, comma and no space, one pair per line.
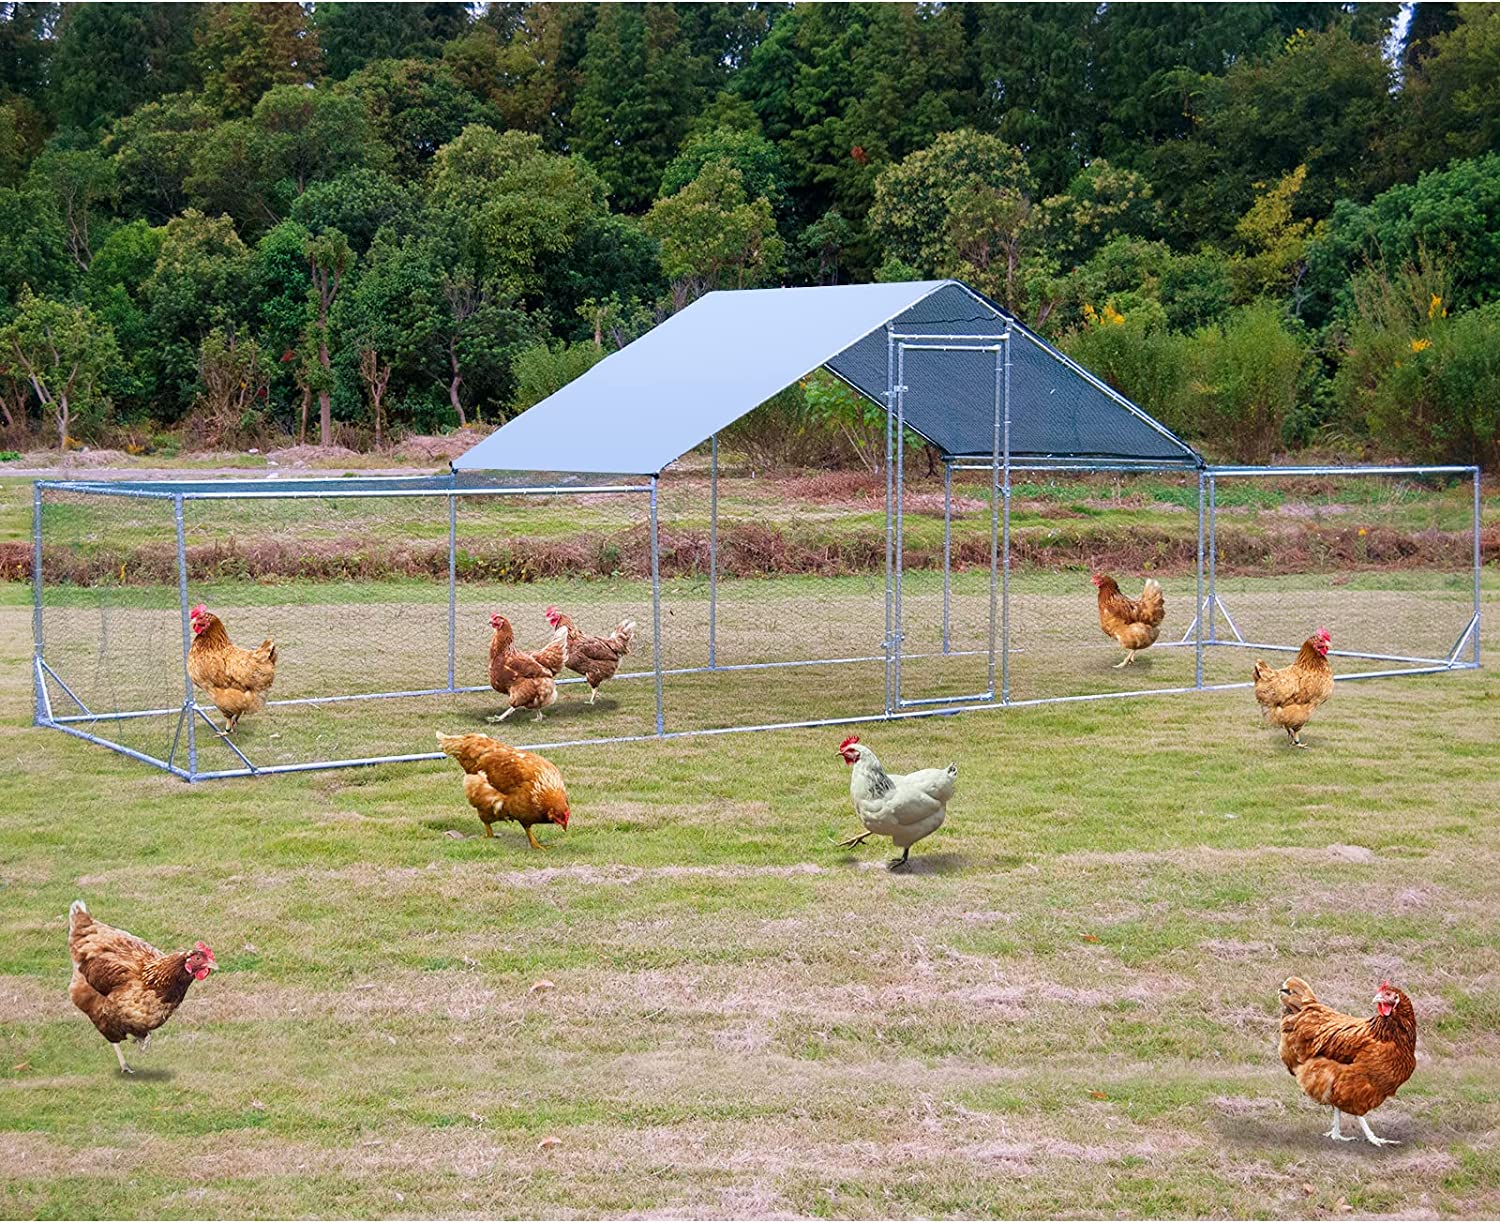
956,578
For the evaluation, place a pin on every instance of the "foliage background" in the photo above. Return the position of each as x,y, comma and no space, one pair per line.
1274,226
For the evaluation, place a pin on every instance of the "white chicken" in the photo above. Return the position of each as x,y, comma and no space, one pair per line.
905,807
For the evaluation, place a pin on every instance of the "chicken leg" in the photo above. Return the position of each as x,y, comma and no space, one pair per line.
593,693
853,841
1296,738
531,836
896,864
1335,1131
1375,1138
503,716
1126,661
124,1069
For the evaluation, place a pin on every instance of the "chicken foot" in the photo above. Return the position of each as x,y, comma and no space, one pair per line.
1126,661
124,1069
593,694
531,836
896,864
1336,1132
853,841
1296,738
1375,1138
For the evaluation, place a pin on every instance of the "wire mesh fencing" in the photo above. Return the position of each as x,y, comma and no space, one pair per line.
736,609
1386,560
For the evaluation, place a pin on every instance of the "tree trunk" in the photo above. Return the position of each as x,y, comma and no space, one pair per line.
306,403
60,405
325,401
453,386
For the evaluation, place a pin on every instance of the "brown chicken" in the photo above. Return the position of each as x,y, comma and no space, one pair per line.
1134,623
504,783
236,680
125,985
1288,695
527,678
595,658
1355,1065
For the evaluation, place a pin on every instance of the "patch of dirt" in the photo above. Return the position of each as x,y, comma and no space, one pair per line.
308,455
438,447
1248,1106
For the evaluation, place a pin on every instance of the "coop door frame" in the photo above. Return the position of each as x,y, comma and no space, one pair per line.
899,698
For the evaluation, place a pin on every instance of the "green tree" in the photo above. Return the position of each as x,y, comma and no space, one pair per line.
544,369
1102,203
353,35
111,58
511,207
1455,211
200,281
640,84
33,246
1450,105
67,355
417,106
153,149
245,49
82,184
712,236
916,198
1243,378
329,260
756,158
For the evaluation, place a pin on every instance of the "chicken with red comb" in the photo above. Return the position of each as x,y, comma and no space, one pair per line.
905,807
1289,695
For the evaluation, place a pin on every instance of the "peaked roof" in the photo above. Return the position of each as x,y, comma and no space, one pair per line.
728,352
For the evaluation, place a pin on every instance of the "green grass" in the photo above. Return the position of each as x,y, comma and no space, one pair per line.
1067,1007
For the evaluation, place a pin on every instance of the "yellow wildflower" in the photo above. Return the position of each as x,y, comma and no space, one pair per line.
1089,316
1113,316
1420,345
1435,308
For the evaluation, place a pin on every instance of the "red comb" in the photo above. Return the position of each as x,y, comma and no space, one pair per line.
199,610
205,949
1384,985
1325,634
848,741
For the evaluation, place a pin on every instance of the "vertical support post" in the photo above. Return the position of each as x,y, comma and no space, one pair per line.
37,653
1198,644
661,713
1213,554
899,636
1477,566
890,509
713,553
452,590
948,551
189,704
1005,548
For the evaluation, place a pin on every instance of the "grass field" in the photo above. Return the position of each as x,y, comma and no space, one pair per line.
1066,1007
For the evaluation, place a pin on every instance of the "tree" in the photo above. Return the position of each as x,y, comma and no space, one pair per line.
328,259
80,182
1455,211
1102,203
352,35
233,389
915,199
758,160
510,207
33,245
245,49
415,107
153,149
199,282
377,376
1450,103
67,355
640,85
111,58
713,237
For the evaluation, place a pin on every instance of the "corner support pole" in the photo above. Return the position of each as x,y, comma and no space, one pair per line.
188,703
661,714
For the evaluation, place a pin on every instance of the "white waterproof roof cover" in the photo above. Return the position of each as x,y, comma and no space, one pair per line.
728,352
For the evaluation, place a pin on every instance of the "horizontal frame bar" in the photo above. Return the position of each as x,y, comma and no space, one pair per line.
98,489
1335,470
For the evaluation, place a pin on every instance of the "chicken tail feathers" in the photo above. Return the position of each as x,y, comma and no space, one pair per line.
75,910
1153,604
1261,670
953,770
623,635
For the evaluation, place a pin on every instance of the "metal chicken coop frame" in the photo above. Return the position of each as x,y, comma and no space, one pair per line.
923,362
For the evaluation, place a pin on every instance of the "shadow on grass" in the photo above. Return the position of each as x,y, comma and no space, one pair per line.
1305,1133
152,1074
